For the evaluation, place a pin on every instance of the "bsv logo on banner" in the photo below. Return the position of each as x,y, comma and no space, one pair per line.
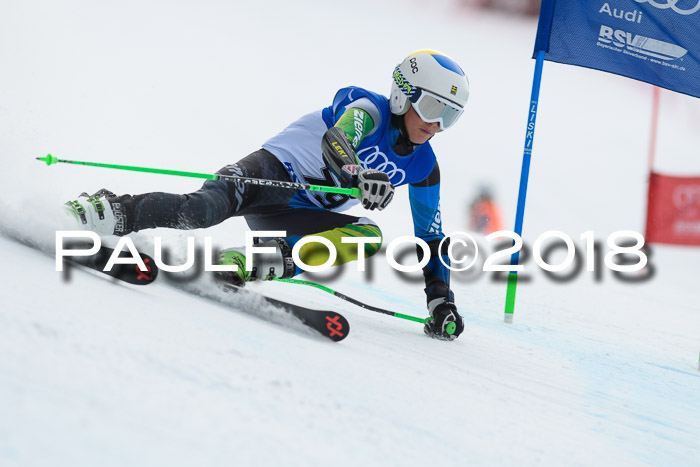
385,165
640,44
673,5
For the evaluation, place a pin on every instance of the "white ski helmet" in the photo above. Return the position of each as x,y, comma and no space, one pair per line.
434,84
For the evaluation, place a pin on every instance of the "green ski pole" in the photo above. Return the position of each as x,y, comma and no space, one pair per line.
450,329
353,192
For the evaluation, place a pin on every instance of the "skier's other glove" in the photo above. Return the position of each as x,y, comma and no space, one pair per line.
377,190
447,323
338,153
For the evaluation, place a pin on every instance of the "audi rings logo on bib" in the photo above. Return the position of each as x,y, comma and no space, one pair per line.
369,161
682,7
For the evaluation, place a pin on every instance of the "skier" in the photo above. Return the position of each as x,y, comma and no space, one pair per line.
362,140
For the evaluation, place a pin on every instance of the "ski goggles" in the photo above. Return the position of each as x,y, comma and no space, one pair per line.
433,108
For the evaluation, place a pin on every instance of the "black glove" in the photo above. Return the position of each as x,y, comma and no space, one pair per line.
446,322
338,153
377,190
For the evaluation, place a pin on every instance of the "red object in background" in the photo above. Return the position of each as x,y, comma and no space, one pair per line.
673,210
485,216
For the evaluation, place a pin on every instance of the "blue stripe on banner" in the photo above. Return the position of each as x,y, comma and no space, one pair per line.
655,41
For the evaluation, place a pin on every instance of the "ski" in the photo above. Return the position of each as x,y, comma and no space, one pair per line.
329,324
129,273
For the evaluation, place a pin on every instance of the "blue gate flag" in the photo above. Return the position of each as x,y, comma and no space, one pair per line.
656,41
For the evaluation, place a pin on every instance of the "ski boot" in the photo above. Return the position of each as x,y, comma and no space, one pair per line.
445,322
100,212
265,266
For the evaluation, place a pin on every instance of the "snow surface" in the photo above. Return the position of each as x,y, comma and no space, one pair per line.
591,372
